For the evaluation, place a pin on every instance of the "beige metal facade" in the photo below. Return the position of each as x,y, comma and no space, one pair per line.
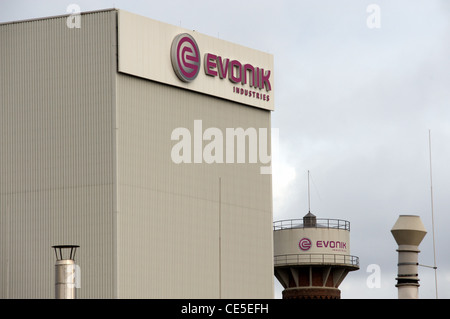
85,158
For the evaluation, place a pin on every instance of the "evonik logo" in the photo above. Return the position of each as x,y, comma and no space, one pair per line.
304,244
186,62
185,56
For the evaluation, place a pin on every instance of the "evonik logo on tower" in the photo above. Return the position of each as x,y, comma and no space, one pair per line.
304,244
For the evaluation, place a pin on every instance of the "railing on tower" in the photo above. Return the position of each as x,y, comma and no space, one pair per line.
320,223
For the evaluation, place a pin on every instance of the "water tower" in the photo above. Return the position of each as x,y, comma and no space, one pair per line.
312,256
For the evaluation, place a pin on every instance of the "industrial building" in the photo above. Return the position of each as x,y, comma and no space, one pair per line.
145,144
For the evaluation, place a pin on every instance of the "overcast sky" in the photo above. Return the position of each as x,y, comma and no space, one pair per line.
353,104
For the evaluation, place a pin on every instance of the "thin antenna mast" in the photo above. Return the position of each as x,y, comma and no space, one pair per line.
432,214
309,196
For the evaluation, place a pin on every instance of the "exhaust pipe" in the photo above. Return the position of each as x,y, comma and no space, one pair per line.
408,232
67,274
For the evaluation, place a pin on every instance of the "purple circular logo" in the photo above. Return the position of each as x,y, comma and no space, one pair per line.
304,244
185,57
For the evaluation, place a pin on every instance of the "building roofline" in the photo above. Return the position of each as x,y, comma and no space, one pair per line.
57,16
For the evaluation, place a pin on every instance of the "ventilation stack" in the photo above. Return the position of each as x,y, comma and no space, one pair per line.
408,232
67,275
311,257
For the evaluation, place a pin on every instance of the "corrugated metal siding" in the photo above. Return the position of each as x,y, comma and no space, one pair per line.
56,152
58,176
168,214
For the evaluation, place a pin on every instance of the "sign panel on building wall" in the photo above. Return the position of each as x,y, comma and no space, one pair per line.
194,61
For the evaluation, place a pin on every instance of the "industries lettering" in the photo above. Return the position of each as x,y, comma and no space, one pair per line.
251,94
